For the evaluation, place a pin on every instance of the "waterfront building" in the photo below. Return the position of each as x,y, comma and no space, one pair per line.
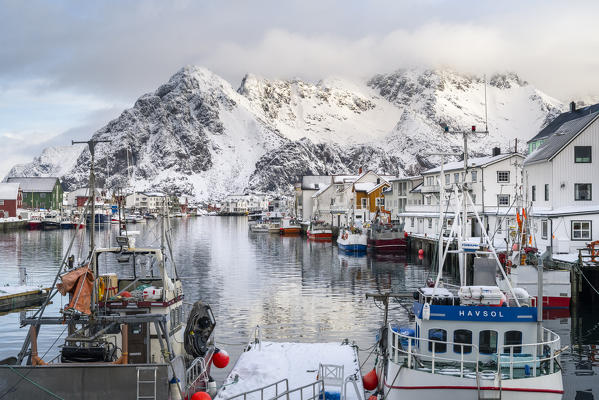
304,191
562,182
11,199
78,197
493,184
40,192
241,204
147,201
400,194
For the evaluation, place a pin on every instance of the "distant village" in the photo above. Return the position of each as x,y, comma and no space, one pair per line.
555,181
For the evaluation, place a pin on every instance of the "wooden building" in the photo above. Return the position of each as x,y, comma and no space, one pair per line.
11,198
40,192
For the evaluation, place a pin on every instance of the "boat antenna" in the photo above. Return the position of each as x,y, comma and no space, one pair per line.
486,120
92,188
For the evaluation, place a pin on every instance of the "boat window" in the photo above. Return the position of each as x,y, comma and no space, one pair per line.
511,338
462,336
439,335
487,342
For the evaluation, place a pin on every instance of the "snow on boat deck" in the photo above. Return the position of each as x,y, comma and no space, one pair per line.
298,362
9,290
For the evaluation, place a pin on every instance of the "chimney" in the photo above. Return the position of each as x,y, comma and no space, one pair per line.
572,106
360,171
496,151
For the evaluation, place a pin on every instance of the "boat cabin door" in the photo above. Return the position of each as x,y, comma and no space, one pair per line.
138,343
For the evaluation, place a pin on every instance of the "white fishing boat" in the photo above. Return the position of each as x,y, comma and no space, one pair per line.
476,340
127,332
352,239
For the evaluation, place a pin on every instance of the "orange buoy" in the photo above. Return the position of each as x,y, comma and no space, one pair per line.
201,396
370,381
125,294
220,359
373,397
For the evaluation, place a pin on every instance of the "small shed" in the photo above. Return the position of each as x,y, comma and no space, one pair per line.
11,199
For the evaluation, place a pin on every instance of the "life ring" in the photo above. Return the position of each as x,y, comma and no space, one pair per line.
268,214
101,289
344,236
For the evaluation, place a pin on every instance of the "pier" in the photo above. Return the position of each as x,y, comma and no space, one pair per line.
16,297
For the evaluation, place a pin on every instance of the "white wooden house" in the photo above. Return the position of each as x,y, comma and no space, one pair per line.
562,184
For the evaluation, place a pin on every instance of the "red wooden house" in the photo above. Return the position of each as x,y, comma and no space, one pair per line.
11,198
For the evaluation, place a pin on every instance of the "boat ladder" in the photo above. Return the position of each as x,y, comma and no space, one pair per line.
486,393
146,376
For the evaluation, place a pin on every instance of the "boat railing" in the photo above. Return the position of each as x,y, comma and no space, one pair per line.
512,361
311,391
255,338
403,349
535,358
283,384
196,376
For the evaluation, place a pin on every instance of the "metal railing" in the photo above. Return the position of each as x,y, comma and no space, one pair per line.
263,389
196,376
541,359
315,391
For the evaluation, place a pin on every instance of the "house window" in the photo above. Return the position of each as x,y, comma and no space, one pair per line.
412,222
546,192
316,186
511,338
503,176
582,154
534,193
364,201
582,191
447,179
456,177
42,195
439,337
473,198
462,336
430,222
428,199
487,342
581,230
474,176
544,229
503,199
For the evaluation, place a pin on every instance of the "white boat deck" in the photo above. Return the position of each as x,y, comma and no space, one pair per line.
298,362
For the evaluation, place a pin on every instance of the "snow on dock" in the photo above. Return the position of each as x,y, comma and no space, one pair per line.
269,362
14,297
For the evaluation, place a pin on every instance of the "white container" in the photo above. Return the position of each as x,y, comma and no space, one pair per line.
152,293
481,295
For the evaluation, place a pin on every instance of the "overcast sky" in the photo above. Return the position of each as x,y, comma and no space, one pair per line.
68,67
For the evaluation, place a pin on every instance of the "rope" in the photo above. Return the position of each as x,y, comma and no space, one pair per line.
585,278
34,383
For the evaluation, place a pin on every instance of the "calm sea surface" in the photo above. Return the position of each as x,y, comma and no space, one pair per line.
293,289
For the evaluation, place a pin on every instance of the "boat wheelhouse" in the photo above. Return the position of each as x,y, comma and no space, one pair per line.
387,237
352,239
289,226
320,231
466,349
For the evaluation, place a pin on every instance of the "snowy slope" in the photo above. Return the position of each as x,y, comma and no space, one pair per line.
197,135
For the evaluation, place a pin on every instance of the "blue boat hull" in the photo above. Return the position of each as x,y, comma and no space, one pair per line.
354,248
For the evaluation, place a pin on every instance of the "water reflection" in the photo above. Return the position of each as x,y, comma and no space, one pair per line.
296,290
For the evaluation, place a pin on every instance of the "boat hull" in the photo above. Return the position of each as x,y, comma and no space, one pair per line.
354,248
395,245
320,235
404,383
34,225
289,231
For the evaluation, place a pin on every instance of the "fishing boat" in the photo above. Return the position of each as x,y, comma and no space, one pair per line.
260,227
352,239
481,339
320,230
134,218
35,221
51,221
289,226
385,236
128,335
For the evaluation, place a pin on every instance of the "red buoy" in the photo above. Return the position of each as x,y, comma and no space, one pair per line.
420,252
220,359
370,380
201,396
405,234
125,294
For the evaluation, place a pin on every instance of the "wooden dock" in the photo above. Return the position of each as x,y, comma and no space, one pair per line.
29,298
12,225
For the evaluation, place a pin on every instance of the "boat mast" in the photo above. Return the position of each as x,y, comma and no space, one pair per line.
92,188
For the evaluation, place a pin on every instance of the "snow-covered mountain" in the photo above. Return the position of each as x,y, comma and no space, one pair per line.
197,135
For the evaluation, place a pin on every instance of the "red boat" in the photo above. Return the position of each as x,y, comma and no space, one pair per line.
35,222
388,238
320,231
289,226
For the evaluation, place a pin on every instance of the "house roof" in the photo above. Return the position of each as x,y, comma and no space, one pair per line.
560,138
562,119
9,191
472,162
322,189
314,182
35,184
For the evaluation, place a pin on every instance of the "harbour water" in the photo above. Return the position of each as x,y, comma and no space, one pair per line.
293,289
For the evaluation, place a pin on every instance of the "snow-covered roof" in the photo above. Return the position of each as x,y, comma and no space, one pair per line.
315,182
319,192
364,186
561,119
345,178
564,211
407,178
9,191
153,194
34,184
558,140
472,162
